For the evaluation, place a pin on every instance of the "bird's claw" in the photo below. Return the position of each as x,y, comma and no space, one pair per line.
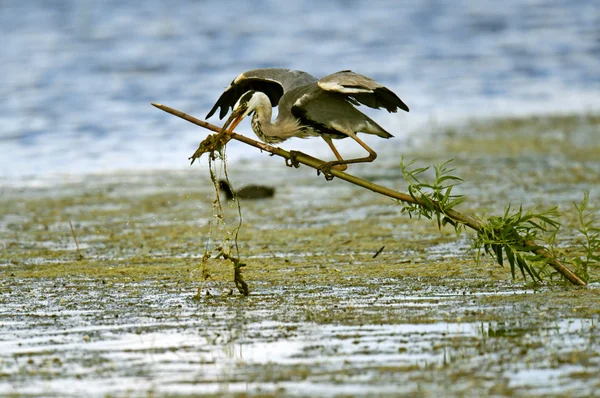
325,168
292,161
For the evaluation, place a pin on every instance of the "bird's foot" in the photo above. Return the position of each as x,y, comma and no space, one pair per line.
292,161
325,168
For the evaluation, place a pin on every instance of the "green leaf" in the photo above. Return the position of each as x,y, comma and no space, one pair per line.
486,247
498,251
534,272
455,202
522,265
511,259
446,178
549,221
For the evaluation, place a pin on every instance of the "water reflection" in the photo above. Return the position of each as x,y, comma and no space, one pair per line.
191,357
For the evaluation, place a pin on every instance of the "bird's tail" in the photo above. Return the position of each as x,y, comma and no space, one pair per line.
373,128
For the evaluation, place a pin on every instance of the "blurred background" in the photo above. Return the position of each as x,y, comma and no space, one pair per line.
78,76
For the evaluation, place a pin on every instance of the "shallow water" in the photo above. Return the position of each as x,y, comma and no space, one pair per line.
129,310
78,76
169,344
138,315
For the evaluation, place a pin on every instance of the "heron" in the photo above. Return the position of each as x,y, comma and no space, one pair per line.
308,107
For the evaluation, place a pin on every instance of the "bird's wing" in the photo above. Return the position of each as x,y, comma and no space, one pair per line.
326,112
274,82
329,112
362,89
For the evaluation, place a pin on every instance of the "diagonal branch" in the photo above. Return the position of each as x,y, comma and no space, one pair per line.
315,163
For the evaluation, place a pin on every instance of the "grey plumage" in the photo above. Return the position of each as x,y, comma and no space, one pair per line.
307,106
271,81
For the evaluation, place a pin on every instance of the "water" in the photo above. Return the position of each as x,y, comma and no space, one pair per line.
78,76
113,314
169,345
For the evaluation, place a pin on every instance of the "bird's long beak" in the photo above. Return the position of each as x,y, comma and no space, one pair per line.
235,119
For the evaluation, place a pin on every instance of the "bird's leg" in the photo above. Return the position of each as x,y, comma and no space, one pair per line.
342,166
372,155
326,167
292,161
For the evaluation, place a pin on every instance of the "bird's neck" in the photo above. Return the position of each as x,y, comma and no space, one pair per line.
261,124
272,132
268,131
263,114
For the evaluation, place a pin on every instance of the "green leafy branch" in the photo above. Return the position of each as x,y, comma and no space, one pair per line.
510,233
511,236
432,199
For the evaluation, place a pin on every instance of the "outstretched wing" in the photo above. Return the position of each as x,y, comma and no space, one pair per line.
362,89
274,82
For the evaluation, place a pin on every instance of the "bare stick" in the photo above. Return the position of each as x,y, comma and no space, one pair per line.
378,251
75,239
315,163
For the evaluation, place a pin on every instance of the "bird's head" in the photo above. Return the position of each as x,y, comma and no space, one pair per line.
248,103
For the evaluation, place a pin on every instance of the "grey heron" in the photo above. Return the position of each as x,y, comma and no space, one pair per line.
307,107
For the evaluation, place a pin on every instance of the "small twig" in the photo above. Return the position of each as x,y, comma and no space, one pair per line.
302,158
75,239
378,252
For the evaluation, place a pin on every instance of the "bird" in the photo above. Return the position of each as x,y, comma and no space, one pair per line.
247,192
308,107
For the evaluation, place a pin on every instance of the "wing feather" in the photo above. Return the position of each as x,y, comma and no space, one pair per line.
362,89
332,113
274,82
